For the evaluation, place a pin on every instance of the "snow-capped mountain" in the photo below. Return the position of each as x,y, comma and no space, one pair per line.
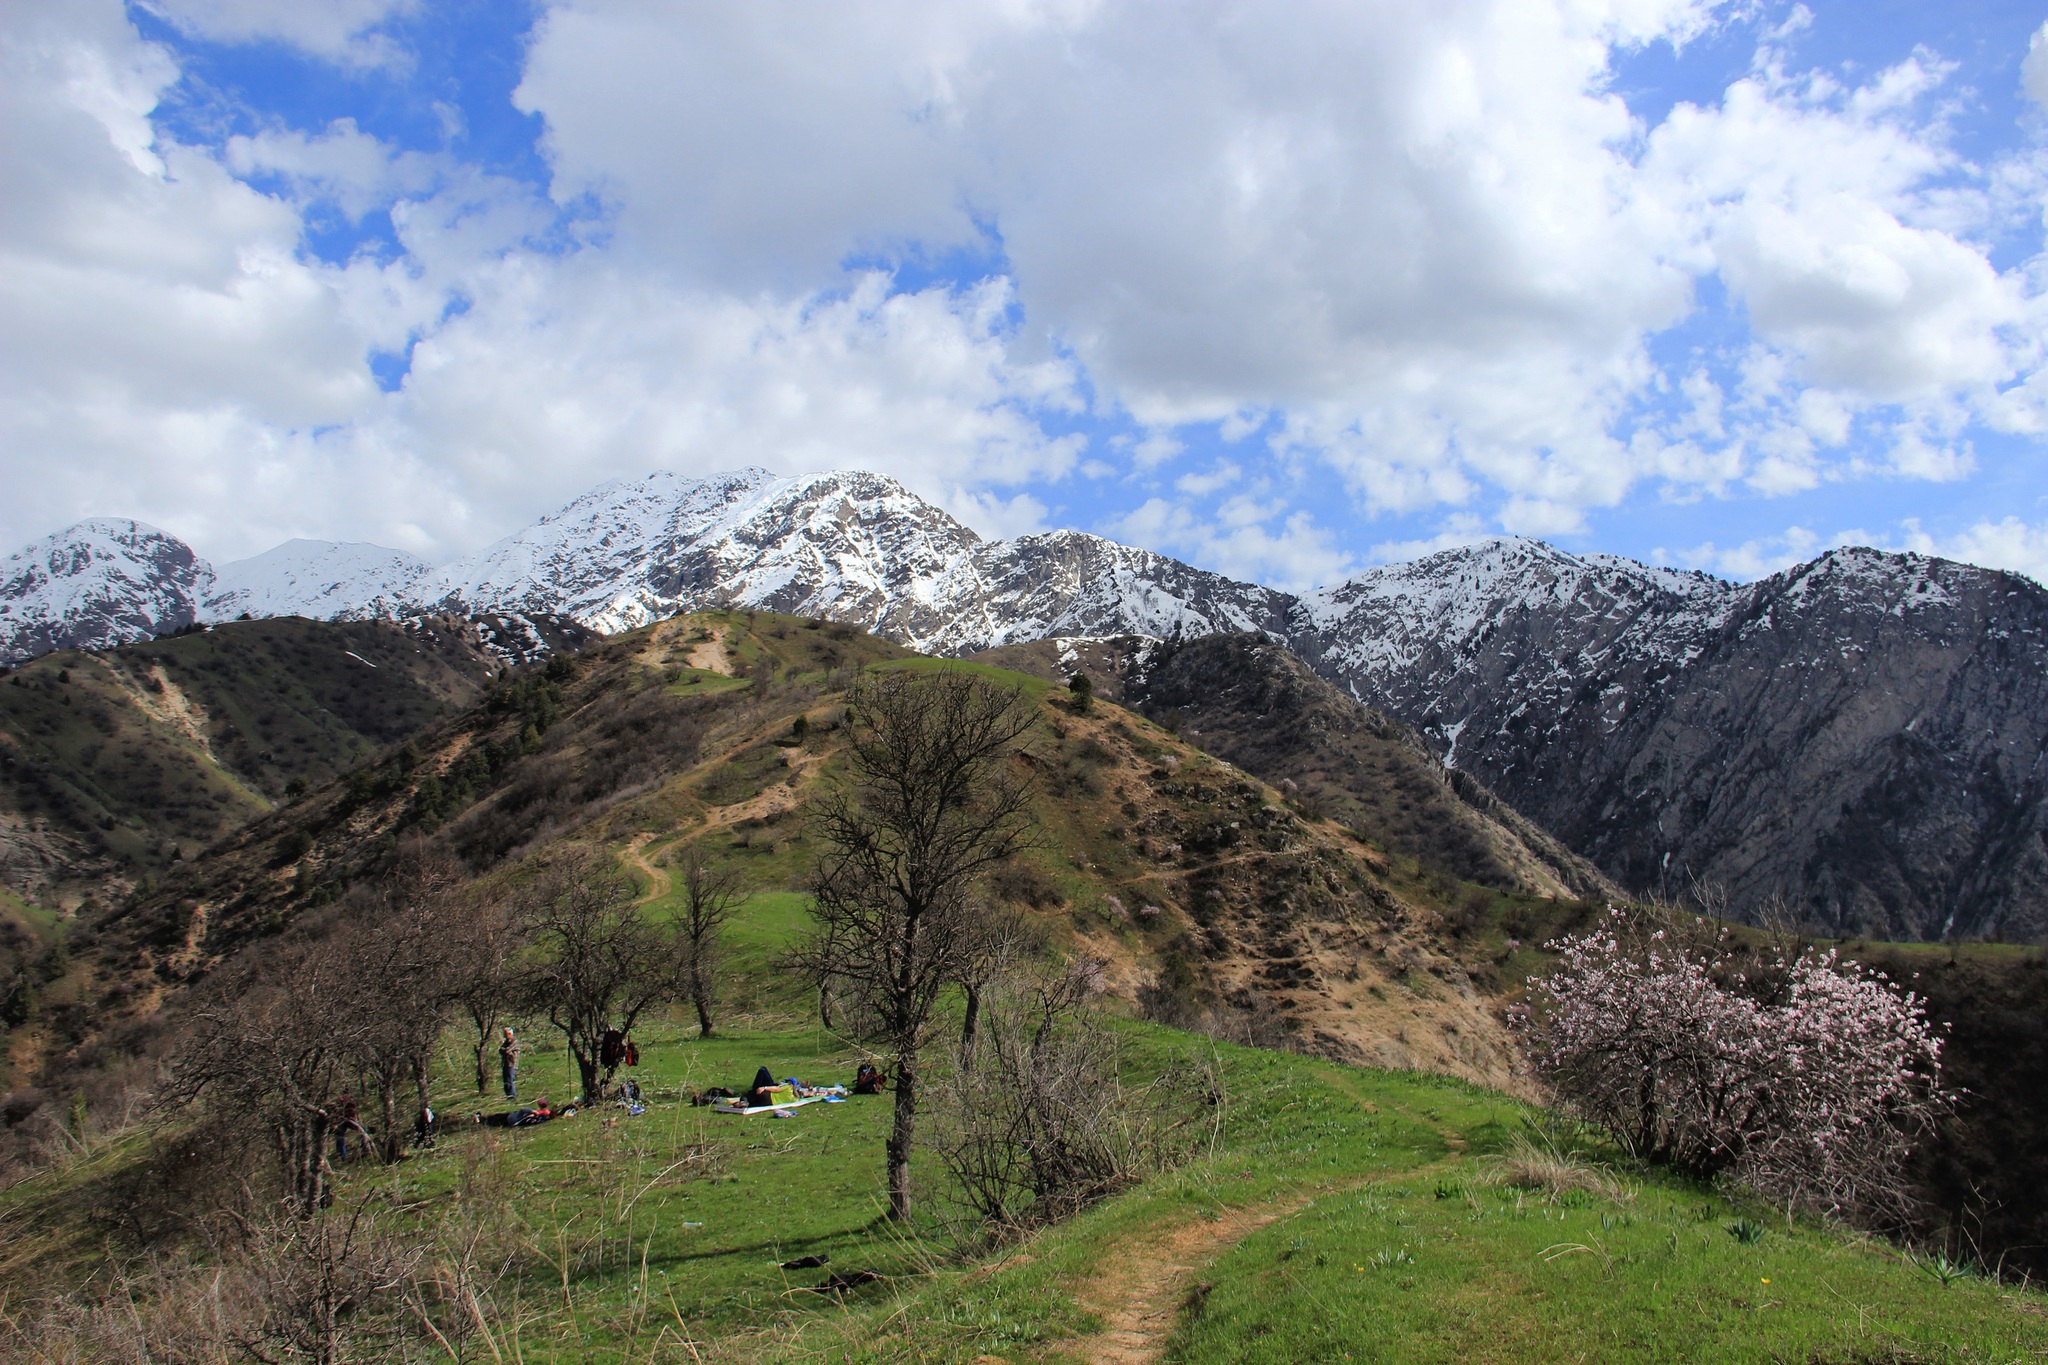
1442,639
1861,736
102,582
852,546
318,579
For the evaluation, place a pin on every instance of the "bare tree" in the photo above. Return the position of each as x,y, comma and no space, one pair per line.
408,954
931,802
710,895
598,962
485,975
994,938
274,1041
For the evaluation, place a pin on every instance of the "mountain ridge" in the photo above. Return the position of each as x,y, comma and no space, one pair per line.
1688,734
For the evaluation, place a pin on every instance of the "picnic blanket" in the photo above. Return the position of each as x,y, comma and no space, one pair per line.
781,1099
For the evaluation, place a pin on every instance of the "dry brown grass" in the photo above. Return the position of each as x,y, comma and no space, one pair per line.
1555,1172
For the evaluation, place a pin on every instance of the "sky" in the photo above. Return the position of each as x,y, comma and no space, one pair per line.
1282,290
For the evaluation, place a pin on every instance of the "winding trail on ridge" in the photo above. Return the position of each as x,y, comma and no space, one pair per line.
659,882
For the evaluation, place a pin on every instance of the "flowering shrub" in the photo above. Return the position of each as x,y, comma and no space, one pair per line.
1803,1077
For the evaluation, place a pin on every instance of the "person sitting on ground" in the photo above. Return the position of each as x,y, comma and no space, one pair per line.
762,1090
867,1080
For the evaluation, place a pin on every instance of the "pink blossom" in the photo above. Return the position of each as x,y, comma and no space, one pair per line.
1803,1077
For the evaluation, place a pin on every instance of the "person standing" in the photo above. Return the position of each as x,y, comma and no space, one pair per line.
508,1063
347,1120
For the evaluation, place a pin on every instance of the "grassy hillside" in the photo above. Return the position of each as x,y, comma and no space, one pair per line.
1344,1213
1213,900
1379,1214
1255,704
113,765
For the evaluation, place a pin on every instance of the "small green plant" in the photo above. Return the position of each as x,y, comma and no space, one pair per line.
1937,1266
1386,1258
1746,1231
1449,1189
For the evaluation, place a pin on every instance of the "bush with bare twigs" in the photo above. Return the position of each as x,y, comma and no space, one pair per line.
1043,1123
280,1038
278,1287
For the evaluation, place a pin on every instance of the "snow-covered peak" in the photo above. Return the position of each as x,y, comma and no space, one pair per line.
635,551
319,579
1463,587
102,582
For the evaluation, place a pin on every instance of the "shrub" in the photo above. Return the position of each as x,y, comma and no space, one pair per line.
1801,1076
1043,1123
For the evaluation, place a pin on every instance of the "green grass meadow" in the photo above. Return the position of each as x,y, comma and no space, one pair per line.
1356,1215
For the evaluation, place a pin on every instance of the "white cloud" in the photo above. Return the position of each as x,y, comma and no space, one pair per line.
1458,529
168,350
2034,69
1421,248
1246,539
564,373
1220,475
345,165
1752,559
2007,543
1412,228
337,29
1824,210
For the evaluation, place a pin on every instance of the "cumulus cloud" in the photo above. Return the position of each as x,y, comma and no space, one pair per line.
2006,543
1806,199
1421,253
342,165
2034,68
170,349
1755,558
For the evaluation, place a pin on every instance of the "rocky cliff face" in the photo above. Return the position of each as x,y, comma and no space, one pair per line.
100,583
1859,736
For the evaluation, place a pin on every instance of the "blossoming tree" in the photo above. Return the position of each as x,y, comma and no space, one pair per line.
1798,1074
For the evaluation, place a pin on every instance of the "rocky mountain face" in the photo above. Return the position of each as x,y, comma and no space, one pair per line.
100,583
1858,737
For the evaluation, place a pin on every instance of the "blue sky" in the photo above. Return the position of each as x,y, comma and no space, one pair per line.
1283,290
